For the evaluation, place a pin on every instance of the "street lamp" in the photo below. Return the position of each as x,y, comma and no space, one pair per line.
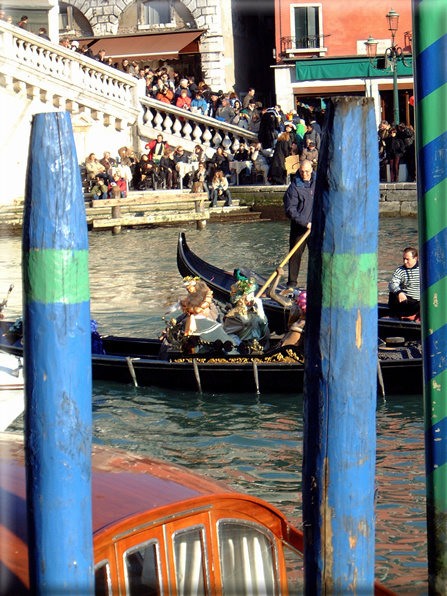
392,54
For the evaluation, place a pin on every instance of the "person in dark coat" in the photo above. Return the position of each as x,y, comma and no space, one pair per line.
298,205
267,133
395,149
406,133
277,172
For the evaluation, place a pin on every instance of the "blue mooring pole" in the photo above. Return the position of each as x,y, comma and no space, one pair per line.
57,350
341,356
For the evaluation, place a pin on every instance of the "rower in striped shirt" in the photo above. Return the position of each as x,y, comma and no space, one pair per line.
404,298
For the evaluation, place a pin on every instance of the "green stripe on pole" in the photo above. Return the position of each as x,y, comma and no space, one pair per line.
57,276
436,297
430,105
345,290
432,12
434,201
438,407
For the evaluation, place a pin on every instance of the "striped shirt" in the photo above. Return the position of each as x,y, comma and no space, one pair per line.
406,281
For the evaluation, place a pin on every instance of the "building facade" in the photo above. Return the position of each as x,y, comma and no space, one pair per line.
321,52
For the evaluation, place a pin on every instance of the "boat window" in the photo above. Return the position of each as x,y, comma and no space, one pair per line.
142,564
295,570
189,557
103,585
247,554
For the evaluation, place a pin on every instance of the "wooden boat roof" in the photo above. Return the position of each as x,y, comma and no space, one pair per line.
116,475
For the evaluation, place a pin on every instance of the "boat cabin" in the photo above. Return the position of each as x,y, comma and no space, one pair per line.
160,530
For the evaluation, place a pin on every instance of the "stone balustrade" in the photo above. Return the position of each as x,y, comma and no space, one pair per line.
59,76
185,128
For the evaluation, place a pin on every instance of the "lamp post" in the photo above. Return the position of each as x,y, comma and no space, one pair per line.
392,55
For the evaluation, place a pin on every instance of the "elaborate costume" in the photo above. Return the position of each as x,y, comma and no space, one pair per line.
246,321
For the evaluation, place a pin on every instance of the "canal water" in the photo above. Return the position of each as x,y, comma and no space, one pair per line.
251,442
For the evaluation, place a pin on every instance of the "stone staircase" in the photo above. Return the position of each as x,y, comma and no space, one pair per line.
106,108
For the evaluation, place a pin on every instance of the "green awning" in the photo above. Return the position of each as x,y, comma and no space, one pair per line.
345,68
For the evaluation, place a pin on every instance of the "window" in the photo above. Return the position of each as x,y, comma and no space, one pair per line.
103,586
247,559
156,12
307,29
143,569
190,559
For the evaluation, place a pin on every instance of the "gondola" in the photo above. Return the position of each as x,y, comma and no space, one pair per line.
220,282
134,361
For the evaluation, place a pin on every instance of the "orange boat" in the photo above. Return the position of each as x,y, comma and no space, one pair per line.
159,529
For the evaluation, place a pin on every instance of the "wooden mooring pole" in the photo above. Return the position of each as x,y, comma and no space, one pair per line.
430,53
341,356
57,350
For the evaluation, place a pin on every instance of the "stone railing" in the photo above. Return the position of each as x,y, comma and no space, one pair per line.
60,76
188,129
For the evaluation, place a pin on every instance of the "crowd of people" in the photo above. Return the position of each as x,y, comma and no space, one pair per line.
396,147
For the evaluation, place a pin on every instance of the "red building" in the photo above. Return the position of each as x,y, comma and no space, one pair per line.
321,52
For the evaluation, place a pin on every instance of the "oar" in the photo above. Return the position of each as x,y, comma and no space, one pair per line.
286,259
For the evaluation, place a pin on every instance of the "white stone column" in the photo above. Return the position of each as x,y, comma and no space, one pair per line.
283,87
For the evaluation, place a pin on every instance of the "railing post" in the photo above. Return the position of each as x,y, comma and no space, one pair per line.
340,392
57,355
430,50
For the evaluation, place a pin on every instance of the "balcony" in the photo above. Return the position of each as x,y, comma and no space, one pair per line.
310,44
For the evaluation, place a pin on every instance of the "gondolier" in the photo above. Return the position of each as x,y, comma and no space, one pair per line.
405,293
298,205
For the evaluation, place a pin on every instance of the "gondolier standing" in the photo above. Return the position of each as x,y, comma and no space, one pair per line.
298,205
405,287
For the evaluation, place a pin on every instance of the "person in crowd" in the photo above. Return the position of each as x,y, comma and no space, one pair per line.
183,100
167,82
241,154
198,154
180,157
313,136
406,133
9,19
199,179
128,163
316,127
74,45
156,148
294,149
246,321
310,153
101,56
165,95
290,129
219,161
43,34
119,183
134,69
277,172
395,149
149,173
168,173
225,112
99,190
2,15
23,24
298,205
267,131
255,124
260,161
124,65
183,85
233,97
86,51
65,43
213,104
199,104
220,190
192,86
250,95
94,167
405,293
196,330
108,162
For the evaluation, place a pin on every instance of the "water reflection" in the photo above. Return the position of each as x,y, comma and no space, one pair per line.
253,443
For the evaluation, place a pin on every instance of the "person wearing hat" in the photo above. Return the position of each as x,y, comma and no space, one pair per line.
246,321
213,104
290,128
310,153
